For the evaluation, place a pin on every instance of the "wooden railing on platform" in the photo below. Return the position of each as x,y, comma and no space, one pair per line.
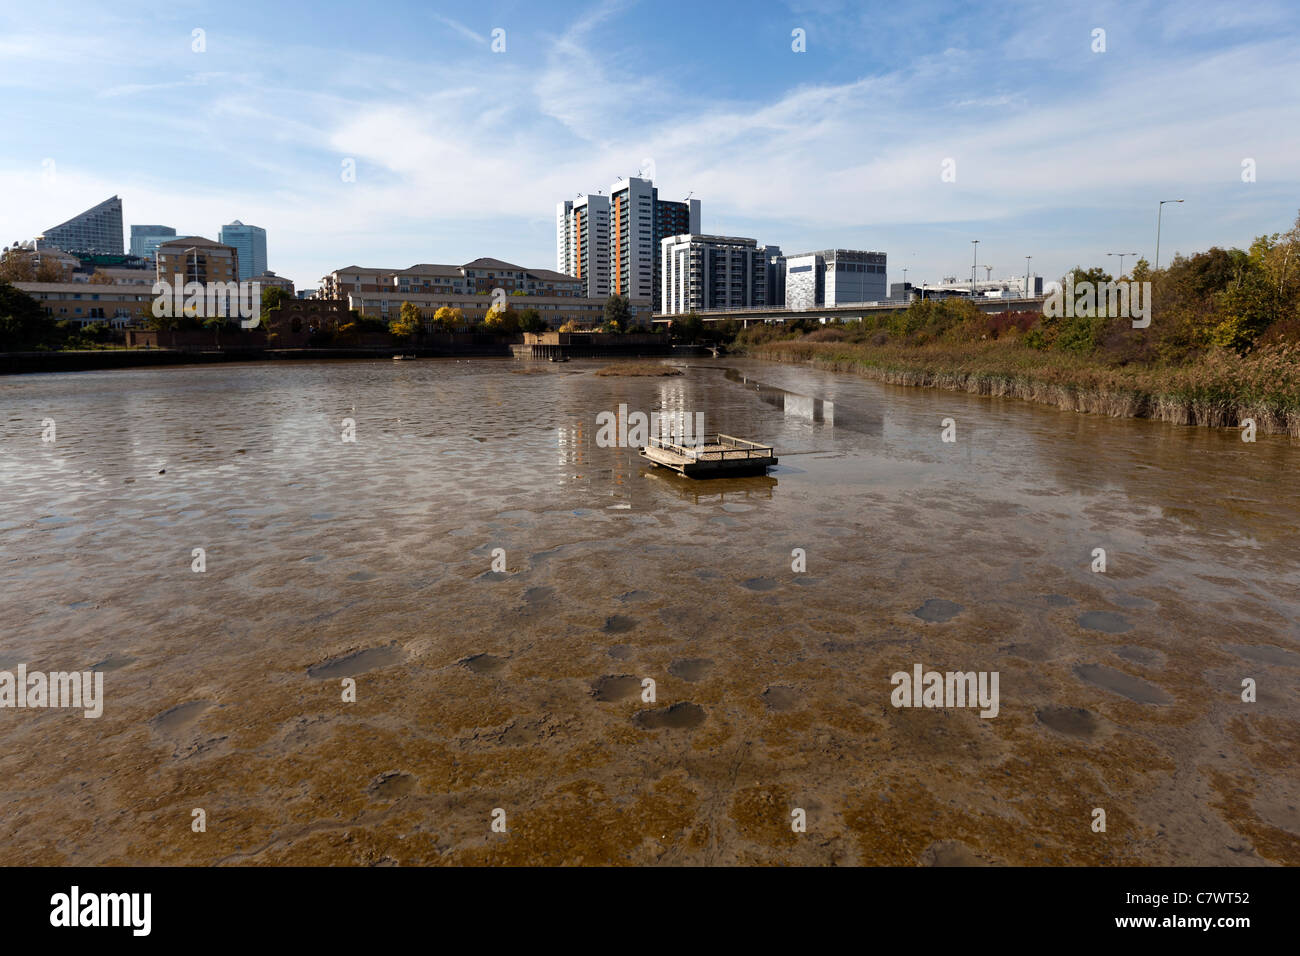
715,448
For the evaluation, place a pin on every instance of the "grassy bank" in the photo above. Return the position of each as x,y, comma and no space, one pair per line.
640,369
1218,389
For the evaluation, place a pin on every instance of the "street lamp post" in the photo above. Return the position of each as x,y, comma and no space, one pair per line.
975,252
1025,291
1121,261
1159,213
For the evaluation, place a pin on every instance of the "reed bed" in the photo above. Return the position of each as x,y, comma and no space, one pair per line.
1219,389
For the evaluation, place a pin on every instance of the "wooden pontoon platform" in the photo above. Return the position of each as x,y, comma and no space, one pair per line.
714,457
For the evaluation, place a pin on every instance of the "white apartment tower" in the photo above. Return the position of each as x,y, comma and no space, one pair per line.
582,242
614,240
711,272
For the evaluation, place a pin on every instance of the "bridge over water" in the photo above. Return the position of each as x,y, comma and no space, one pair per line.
848,312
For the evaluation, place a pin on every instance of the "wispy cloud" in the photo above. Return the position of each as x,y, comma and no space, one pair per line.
459,28
466,153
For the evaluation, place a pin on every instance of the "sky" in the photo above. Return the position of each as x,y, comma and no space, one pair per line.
462,146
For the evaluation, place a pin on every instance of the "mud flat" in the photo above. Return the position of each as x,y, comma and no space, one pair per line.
369,564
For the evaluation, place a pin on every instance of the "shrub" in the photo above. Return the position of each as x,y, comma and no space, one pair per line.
827,334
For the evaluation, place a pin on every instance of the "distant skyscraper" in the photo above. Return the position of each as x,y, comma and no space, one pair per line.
97,231
250,242
639,222
613,242
146,239
582,242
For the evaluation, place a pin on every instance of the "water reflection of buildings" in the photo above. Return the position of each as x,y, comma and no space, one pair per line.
574,441
581,464
807,408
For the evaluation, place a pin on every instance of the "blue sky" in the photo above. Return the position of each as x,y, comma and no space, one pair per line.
1060,152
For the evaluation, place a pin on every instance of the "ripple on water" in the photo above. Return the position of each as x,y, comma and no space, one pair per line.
175,719
1107,622
1133,601
1126,685
358,662
619,624
1071,721
938,610
779,697
391,785
483,663
944,853
615,687
759,584
112,662
690,669
1265,653
1141,655
681,716
538,595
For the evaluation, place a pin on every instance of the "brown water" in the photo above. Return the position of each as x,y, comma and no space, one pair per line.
330,563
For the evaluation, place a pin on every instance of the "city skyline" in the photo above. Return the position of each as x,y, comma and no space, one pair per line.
466,152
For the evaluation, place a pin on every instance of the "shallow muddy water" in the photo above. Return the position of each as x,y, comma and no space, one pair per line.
495,589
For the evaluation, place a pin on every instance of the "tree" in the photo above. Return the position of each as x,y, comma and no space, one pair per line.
687,328
23,323
161,323
449,319
1247,307
97,332
216,324
273,297
502,321
617,313
409,322
530,320
16,265
99,277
